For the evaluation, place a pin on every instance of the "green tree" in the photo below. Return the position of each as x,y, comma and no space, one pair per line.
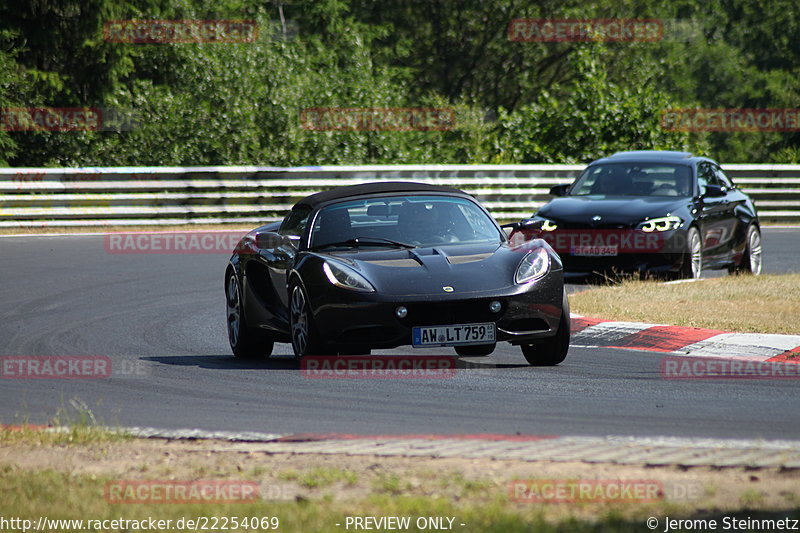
593,118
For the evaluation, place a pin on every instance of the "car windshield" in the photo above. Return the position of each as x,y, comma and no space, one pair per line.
634,179
403,221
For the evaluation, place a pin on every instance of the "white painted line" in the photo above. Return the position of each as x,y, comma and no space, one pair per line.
750,346
613,331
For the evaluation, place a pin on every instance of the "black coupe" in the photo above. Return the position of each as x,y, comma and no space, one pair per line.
650,211
388,264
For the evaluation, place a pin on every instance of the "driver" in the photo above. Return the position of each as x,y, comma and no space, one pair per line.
420,223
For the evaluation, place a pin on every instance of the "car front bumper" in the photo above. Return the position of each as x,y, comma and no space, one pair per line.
368,320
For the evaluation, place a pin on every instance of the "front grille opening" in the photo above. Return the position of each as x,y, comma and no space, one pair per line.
366,335
461,312
527,324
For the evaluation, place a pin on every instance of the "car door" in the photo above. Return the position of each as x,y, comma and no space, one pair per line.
283,255
736,228
715,214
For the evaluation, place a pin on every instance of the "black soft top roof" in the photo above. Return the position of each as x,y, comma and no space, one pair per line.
376,187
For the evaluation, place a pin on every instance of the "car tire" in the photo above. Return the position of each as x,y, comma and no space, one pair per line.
552,350
692,266
475,350
305,337
751,260
246,342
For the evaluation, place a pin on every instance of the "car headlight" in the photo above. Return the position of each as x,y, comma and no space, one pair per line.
537,222
346,278
544,224
549,225
533,266
661,224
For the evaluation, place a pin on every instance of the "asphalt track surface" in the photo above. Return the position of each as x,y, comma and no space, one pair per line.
162,316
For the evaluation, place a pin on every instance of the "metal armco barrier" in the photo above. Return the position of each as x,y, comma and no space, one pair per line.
124,196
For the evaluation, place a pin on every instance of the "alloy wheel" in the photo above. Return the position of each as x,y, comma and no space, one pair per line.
234,309
299,321
754,246
697,255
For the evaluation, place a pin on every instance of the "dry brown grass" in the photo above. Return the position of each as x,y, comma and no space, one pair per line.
315,492
757,304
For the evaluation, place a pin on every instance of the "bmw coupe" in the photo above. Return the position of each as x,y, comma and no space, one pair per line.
650,211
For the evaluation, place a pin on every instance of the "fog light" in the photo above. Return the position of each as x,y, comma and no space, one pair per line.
401,312
495,306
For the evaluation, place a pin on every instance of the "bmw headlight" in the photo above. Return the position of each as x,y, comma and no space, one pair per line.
538,222
346,278
533,266
545,224
549,225
660,224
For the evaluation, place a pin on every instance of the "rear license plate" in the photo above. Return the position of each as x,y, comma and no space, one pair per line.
595,251
460,334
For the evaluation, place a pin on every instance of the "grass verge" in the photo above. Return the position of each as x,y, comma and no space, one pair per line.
74,423
768,303
317,492
60,495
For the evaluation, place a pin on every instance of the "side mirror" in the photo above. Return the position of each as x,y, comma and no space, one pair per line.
268,239
522,224
510,228
559,190
715,191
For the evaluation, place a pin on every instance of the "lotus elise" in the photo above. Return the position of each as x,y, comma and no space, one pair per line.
388,264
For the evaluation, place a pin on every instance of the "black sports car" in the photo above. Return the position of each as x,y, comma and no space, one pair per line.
387,264
655,211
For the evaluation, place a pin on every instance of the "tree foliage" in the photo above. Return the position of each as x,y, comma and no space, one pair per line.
515,102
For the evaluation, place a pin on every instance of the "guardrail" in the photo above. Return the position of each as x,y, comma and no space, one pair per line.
152,196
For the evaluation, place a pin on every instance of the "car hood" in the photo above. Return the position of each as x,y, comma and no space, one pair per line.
611,209
465,268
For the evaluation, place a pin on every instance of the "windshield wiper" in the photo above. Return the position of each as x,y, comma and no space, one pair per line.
368,241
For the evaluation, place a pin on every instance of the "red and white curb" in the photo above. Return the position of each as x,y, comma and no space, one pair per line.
649,451
622,450
685,341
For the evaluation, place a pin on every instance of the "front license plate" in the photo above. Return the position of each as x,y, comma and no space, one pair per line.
595,251
424,336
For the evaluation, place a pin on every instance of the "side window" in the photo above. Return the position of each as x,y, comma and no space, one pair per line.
477,221
706,175
295,222
724,180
